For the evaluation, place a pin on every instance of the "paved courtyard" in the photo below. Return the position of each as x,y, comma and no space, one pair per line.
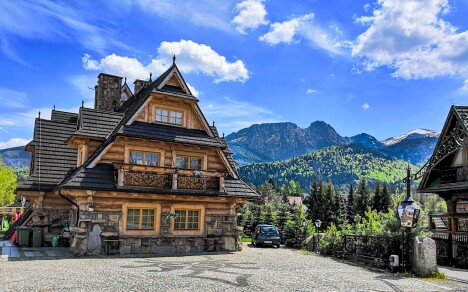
253,269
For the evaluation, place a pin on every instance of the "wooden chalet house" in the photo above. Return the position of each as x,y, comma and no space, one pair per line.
143,172
446,173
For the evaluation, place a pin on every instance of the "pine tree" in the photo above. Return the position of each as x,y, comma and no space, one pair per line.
386,199
363,198
329,205
377,200
270,215
350,206
312,201
339,216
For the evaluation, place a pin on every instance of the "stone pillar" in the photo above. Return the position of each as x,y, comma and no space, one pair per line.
107,93
424,259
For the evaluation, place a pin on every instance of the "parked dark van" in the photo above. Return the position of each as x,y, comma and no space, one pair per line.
266,235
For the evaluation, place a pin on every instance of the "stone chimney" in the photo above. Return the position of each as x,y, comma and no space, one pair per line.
107,93
139,84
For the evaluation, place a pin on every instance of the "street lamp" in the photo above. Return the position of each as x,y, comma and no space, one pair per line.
408,212
318,223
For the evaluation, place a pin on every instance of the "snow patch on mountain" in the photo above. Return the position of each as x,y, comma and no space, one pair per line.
413,134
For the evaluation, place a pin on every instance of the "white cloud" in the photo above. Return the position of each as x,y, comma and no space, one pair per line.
412,38
465,85
284,32
12,98
191,58
232,115
14,142
328,39
194,91
53,21
365,106
251,15
312,91
4,122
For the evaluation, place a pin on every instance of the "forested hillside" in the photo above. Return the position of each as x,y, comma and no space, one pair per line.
340,164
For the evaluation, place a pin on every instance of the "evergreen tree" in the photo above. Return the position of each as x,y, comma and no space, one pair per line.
329,205
339,213
270,215
282,218
350,205
386,199
377,200
363,198
312,201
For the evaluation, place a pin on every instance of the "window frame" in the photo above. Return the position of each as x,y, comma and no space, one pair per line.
140,221
189,158
186,221
156,222
171,114
144,160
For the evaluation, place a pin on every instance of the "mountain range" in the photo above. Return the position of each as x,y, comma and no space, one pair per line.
281,141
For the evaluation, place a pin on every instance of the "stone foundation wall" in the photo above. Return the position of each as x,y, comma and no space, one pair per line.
95,229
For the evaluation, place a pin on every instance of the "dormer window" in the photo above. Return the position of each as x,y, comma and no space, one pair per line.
168,116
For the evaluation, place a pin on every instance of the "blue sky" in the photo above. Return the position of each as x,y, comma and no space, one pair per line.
381,67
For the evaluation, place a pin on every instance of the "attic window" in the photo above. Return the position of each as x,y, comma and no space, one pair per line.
168,116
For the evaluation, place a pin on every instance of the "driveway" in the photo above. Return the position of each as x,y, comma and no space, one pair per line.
253,269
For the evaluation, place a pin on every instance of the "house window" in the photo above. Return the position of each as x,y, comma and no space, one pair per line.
186,162
151,159
161,115
167,116
140,219
187,220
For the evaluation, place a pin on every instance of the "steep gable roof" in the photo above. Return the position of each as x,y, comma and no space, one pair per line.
53,158
453,136
97,123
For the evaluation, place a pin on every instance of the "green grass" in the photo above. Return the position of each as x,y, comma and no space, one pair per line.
246,239
438,276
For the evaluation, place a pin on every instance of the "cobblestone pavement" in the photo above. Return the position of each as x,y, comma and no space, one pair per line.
253,269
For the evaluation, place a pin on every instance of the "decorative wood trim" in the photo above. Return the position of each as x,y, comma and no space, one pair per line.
201,225
157,218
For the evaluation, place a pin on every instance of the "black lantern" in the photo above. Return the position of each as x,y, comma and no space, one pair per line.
318,223
408,210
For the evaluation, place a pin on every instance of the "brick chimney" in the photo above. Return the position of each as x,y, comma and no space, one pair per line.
107,93
139,84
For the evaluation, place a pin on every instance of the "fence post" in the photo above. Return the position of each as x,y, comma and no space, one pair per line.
450,249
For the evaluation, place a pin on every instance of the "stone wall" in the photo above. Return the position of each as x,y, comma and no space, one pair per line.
96,228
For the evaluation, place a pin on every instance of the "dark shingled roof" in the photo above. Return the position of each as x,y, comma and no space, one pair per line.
238,188
97,123
53,159
100,177
64,117
169,134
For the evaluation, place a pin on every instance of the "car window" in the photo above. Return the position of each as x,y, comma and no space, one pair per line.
269,229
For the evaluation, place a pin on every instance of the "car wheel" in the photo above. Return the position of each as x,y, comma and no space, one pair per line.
253,243
277,246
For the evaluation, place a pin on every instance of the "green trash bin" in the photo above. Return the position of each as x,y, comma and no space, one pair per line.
37,237
22,236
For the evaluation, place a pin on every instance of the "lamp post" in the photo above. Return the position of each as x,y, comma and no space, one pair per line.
408,212
318,223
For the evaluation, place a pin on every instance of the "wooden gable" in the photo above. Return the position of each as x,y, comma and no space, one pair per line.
451,151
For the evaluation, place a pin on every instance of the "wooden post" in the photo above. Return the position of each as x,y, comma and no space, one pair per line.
120,177
221,184
174,181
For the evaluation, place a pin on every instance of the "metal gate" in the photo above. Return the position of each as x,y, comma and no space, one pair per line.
377,250
452,250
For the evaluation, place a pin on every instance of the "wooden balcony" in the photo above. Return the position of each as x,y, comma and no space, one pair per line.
131,175
454,174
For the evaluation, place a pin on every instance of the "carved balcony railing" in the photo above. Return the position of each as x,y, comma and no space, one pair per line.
130,175
454,174
147,179
197,183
